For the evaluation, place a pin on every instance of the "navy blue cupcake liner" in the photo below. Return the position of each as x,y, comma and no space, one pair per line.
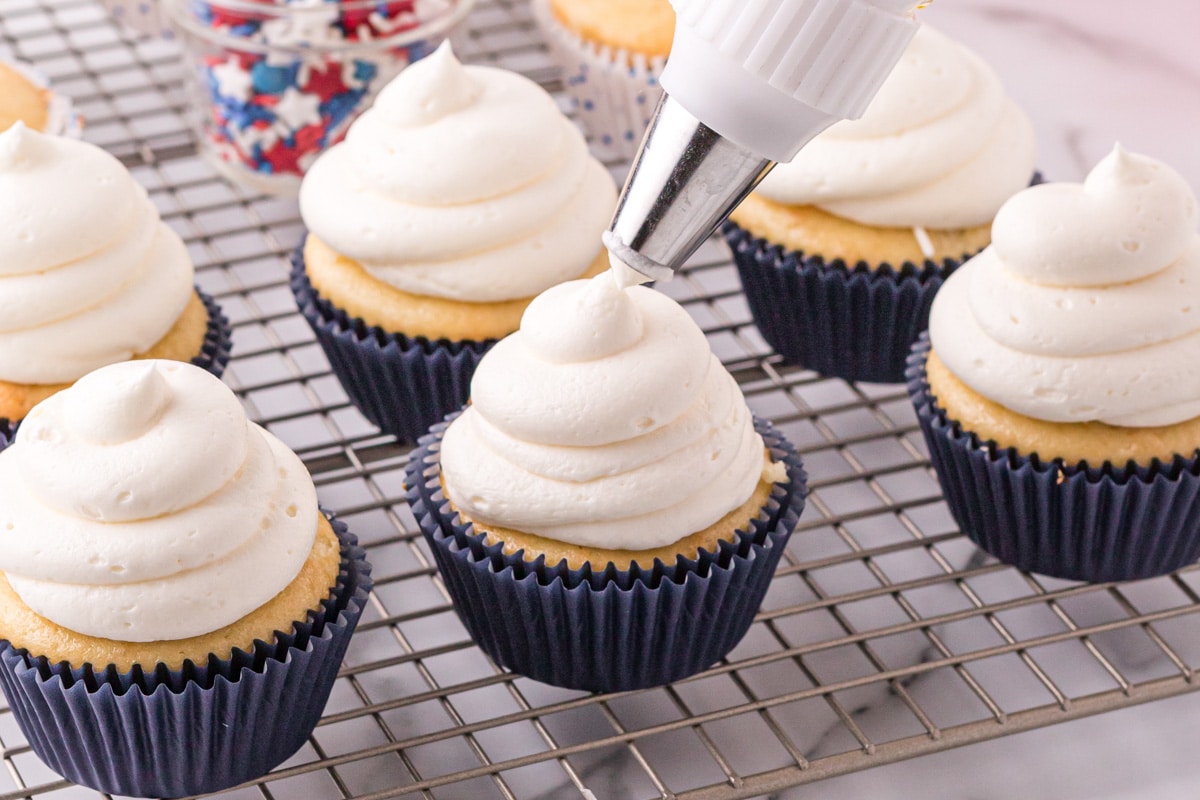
856,323
202,728
605,629
402,385
1075,521
218,339
213,356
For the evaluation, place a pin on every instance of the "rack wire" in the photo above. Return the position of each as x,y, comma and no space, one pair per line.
879,600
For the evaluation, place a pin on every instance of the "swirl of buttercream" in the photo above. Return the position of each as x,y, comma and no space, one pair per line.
461,182
606,421
1087,304
941,146
89,273
141,505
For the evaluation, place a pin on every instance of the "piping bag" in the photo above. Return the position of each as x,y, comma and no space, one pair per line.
747,85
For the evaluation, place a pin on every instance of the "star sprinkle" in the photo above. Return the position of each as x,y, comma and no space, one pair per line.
296,109
233,80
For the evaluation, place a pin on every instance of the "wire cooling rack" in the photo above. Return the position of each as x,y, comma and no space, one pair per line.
879,600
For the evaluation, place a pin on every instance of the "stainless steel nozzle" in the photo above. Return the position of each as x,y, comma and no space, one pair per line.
686,179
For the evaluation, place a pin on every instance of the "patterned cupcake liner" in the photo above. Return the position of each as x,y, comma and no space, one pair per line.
61,117
402,385
199,729
856,323
605,629
1106,523
213,356
615,91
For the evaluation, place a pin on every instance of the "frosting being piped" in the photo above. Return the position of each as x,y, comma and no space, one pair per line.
89,273
141,505
461,182
1087,305
605,421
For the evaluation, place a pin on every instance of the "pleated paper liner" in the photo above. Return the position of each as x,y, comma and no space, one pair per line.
402,385
614,91
602,628
213,356
200,729
218,339
1075,521
856,323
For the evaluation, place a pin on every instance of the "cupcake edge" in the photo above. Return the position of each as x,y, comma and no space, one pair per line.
61,117
614,90
267,699
1073,521
402,385
630,629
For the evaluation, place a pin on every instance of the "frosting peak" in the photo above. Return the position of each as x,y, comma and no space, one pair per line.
434,87
109,288
584,326
631,435
941,146
150,523
1130,217
462,182
1087,304
118,409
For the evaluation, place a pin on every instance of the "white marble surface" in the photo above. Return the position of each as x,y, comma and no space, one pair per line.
1089,72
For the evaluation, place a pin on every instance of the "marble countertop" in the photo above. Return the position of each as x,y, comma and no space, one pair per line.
1089,72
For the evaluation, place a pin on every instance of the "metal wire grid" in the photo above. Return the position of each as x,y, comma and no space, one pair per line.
879,602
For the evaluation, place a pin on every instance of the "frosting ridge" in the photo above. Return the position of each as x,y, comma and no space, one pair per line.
461,182
141,505
941,146
1086,307
109,289
605,421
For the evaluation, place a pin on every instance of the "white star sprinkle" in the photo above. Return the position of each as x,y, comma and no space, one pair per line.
233,81
297,109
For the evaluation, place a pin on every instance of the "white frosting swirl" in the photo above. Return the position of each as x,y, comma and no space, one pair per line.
464,183
89,273
941,146
141,505
1087,304
606,421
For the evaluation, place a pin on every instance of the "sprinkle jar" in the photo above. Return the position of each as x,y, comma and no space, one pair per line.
275,82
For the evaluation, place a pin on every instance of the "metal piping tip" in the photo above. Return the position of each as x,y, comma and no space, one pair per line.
686,179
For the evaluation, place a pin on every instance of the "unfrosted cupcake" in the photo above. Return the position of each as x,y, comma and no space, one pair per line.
1061,396
26,96
173,605
842,250
458,197
89,273
607,480
612,53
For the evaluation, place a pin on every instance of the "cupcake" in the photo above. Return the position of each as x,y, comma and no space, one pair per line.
26,96
173,605
89,275
458,197
842,250
608,481
1059,387
612,53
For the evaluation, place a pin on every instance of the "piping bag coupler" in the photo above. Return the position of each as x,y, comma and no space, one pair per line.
748,84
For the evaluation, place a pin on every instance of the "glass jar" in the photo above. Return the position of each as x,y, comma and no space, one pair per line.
274,82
